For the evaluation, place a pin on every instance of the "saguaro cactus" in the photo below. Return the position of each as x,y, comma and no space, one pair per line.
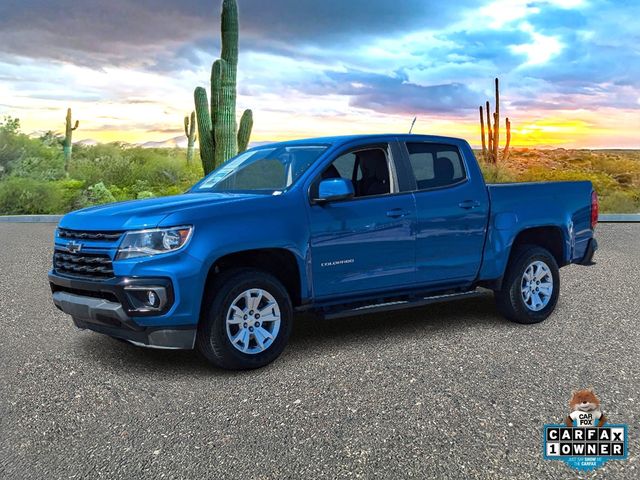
491,144
68,133
190,132
220,139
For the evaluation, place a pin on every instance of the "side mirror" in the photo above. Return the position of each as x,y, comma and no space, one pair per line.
333,189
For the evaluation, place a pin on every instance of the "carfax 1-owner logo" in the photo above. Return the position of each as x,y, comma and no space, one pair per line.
587,439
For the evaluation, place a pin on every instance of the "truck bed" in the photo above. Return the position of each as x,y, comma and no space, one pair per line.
516,206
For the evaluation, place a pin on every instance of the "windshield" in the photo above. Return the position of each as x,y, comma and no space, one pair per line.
263,169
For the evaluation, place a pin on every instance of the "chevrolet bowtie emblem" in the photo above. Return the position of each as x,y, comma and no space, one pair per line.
74,247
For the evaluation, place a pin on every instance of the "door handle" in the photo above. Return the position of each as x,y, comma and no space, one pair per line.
397,213
469,204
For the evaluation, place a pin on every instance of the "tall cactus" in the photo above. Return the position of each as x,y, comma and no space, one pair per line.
491,144
68,133
190,132
220,139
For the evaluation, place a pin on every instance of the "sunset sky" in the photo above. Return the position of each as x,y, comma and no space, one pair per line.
570,69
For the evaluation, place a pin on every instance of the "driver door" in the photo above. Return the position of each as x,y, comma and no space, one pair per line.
366,243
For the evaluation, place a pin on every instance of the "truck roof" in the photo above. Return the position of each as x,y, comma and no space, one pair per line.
342,139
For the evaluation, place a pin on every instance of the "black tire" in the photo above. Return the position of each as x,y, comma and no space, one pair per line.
509,300
212,341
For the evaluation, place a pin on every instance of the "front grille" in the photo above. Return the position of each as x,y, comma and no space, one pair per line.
84,264
108,236
105,295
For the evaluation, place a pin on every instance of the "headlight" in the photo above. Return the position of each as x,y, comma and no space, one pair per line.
153,242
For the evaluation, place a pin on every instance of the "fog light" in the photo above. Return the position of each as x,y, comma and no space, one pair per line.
152,298
146,298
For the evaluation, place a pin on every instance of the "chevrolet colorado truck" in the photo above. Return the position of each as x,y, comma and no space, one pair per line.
339,226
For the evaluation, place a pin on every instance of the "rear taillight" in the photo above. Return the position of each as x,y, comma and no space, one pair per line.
594,209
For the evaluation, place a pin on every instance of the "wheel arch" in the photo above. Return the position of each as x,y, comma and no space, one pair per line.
279,262
549,237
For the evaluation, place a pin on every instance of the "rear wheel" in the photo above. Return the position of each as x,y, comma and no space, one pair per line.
247,321
531,286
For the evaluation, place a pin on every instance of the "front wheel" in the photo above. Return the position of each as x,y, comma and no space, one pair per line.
531,286
247,321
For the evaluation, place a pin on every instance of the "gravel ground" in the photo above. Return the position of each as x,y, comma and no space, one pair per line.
447,391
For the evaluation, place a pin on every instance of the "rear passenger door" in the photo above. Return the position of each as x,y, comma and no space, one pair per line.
451,214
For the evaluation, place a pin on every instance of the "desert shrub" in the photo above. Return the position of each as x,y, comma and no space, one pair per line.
98,194
101,163
23,196
23,156
496,173
72,195
626,171
48,164
601,181
620,202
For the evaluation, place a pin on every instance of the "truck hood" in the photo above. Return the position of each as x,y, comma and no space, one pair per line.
148,213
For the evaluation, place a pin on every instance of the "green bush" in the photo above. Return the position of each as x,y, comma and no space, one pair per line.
49,165
98,194
496,173
23,196
145,194
620,202
601,181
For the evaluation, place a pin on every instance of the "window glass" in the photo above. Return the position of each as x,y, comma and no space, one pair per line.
262,169
435,165
371,168
344,164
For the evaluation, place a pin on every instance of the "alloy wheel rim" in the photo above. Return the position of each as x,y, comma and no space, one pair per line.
253,321
536,286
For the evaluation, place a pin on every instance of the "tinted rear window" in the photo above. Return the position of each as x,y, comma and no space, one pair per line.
435,165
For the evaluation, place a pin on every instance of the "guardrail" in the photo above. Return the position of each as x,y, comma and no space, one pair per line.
604,218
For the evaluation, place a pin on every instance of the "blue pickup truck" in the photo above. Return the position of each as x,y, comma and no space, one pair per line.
339,226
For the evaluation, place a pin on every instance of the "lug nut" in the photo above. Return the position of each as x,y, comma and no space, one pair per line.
257,324
251,329
244,325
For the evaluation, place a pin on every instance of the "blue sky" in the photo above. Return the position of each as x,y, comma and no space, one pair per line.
570,69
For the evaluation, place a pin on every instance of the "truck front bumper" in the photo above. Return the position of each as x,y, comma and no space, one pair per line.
111,307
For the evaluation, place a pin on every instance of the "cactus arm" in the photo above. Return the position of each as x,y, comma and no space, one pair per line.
218,70
484,143
186,126
207,145
496,125
244,131
192,130
489,131
505,155
76,126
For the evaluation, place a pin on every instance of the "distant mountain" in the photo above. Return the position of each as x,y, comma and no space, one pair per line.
88,142
179,142
175,142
